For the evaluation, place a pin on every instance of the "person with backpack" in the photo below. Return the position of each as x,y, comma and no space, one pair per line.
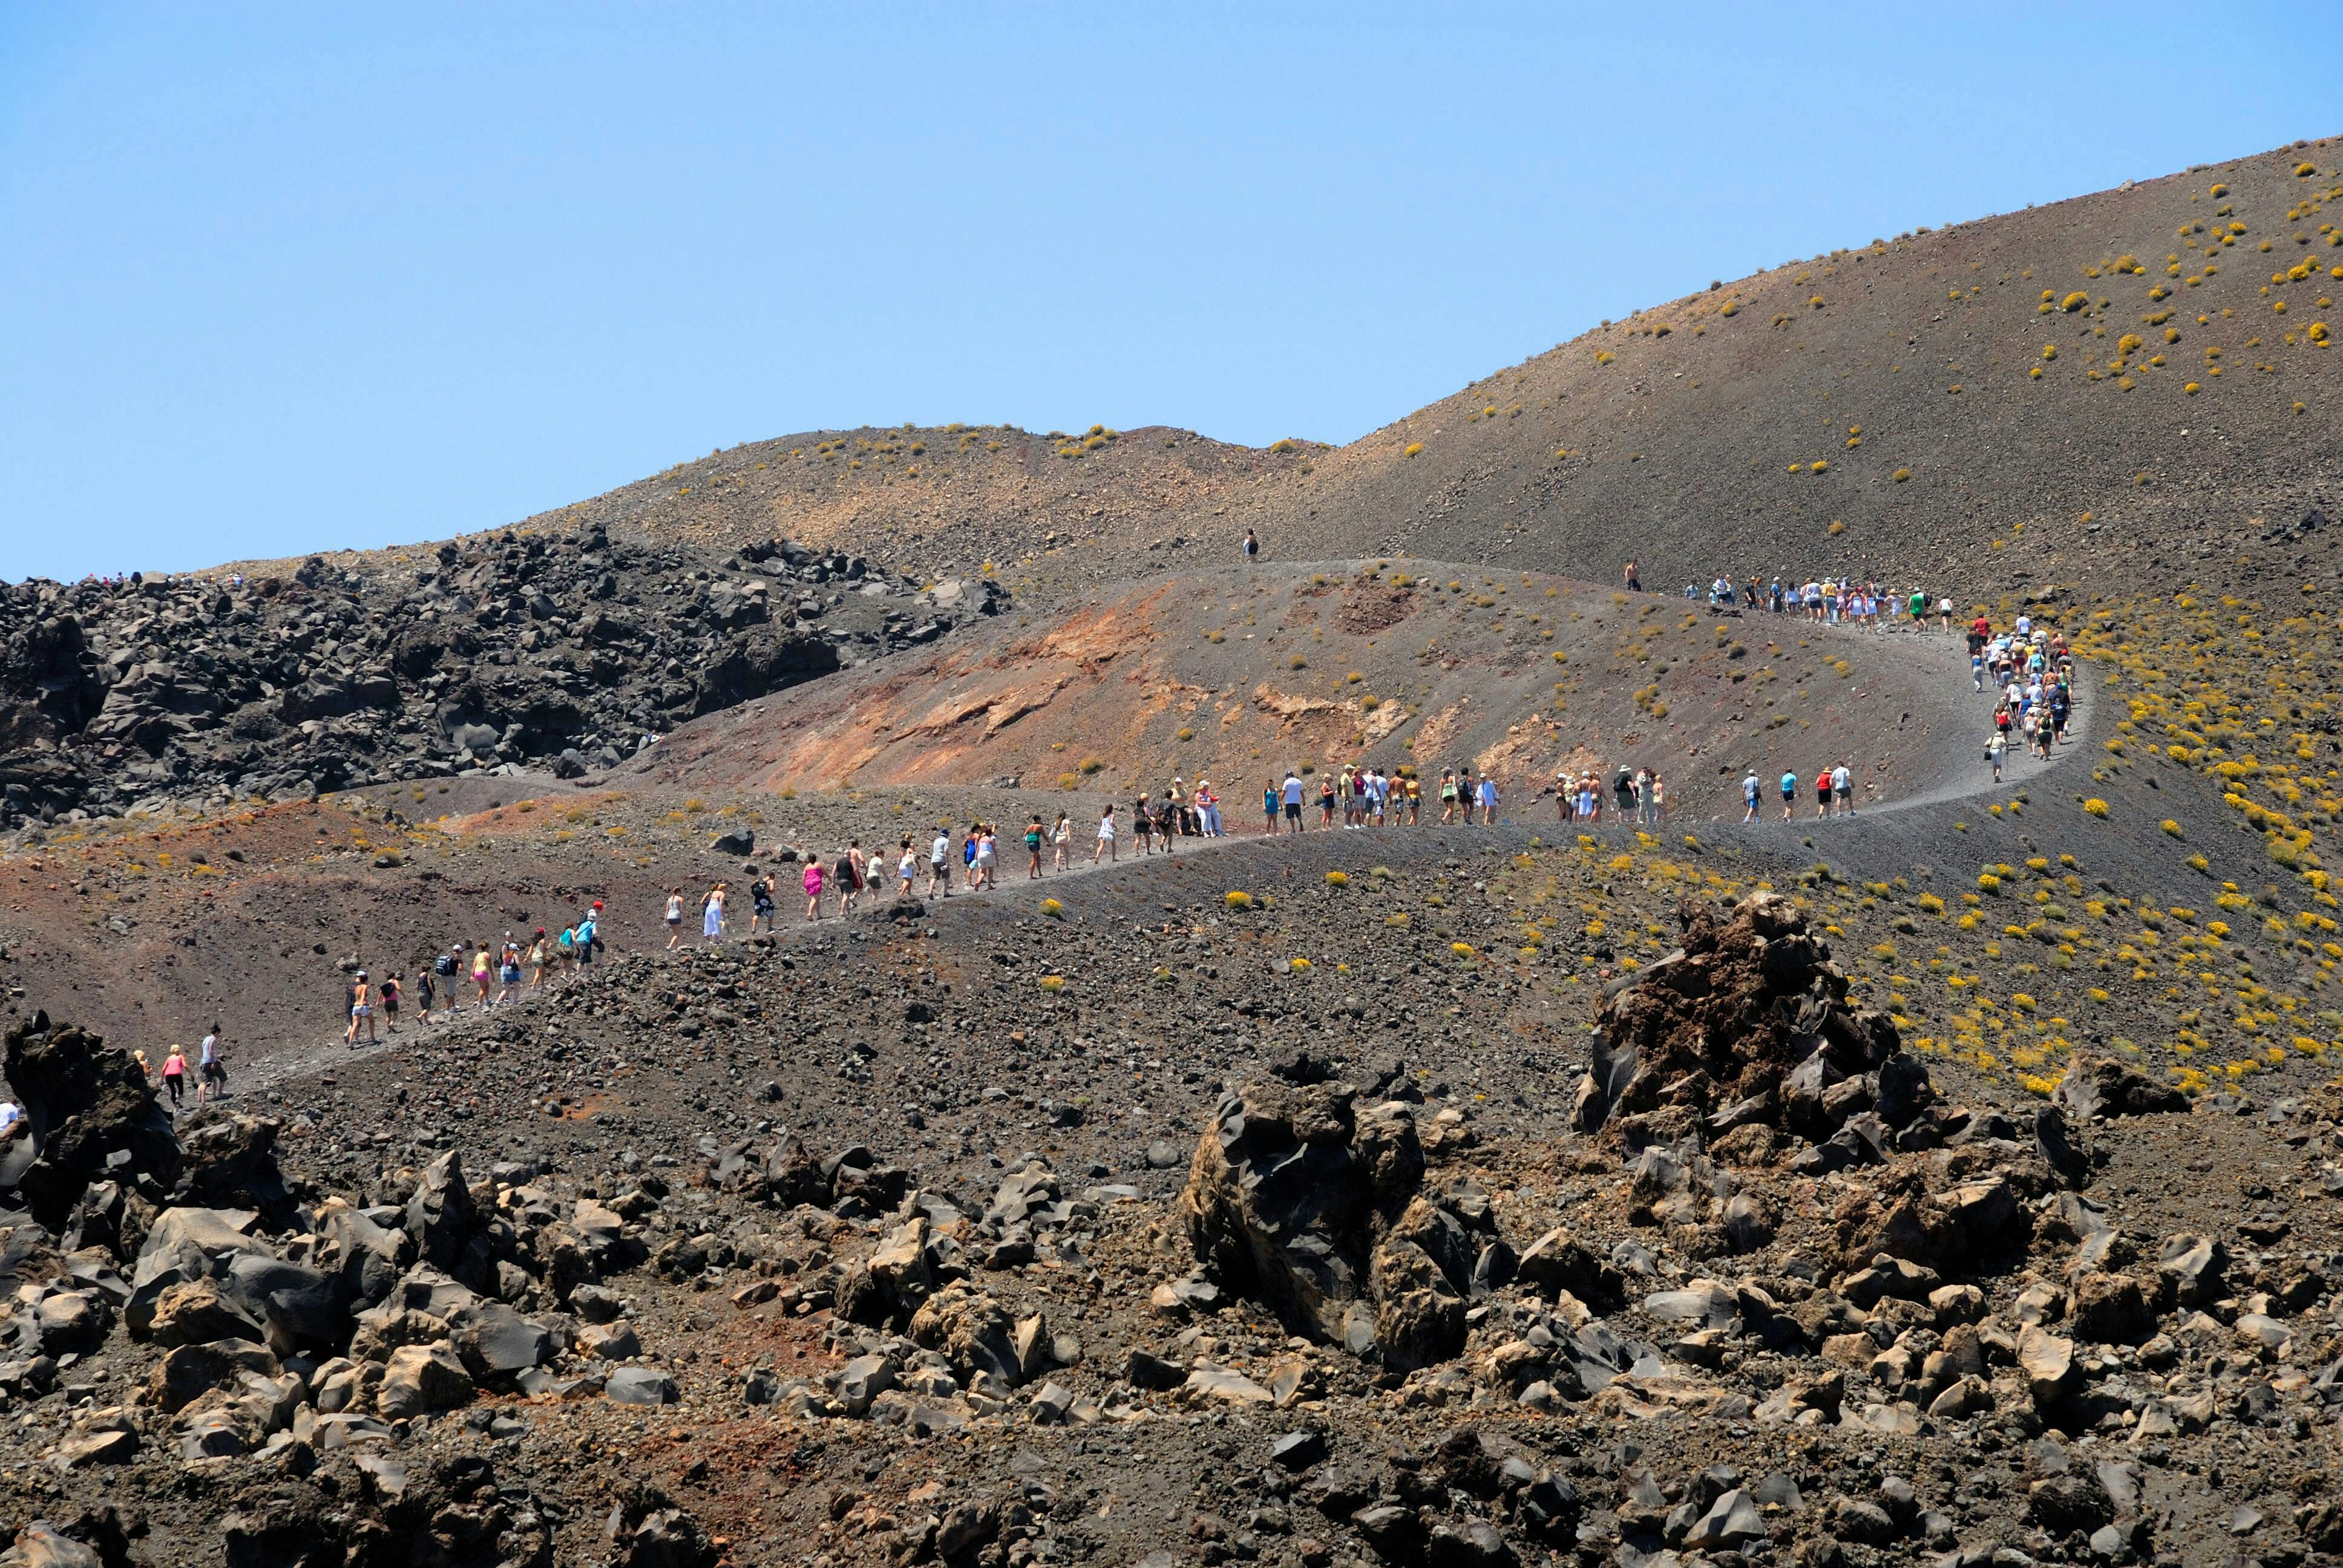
590,934
761,904
425,990
448,967
389,1011
1749,792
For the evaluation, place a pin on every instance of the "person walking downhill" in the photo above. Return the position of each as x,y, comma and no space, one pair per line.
1997,747
175,1075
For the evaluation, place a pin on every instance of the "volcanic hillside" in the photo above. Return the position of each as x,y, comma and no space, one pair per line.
1234,675
2156,357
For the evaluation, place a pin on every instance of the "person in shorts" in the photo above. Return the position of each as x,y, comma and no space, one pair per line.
1823,792
212,1073
1789,795
939,857
1749,792
1842,788
760,905
361,1009
1292,792
674,916
1105,838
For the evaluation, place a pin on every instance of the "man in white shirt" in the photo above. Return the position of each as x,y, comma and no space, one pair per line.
1291,794
1842,789
938,857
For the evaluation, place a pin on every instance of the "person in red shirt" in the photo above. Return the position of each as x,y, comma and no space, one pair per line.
1823,791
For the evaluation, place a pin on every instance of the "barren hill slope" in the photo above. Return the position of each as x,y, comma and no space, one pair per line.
2185,386
2158,357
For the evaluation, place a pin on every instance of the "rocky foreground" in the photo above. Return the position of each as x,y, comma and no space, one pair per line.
565,651
1779,1297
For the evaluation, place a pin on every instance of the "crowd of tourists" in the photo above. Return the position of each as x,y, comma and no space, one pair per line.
2030,670
490,973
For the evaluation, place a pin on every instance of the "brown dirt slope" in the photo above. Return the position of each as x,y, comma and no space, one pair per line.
1235,674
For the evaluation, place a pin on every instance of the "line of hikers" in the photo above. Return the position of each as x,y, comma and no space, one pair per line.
503,967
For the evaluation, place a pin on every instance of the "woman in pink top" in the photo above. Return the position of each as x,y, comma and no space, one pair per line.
813,889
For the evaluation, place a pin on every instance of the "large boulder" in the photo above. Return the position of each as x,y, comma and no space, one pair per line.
1318,1209
179,1249
368,1257
1746,1022
229,1160
446,1225
2102,1088
1278,1206
420,1379
90,1116
1419,1315
197,1311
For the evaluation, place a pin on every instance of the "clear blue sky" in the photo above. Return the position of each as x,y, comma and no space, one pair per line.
276,278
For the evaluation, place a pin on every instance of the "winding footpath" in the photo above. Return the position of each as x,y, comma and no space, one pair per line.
1958,776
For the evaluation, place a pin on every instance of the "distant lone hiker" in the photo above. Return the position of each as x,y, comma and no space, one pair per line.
1252,546
1634,583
